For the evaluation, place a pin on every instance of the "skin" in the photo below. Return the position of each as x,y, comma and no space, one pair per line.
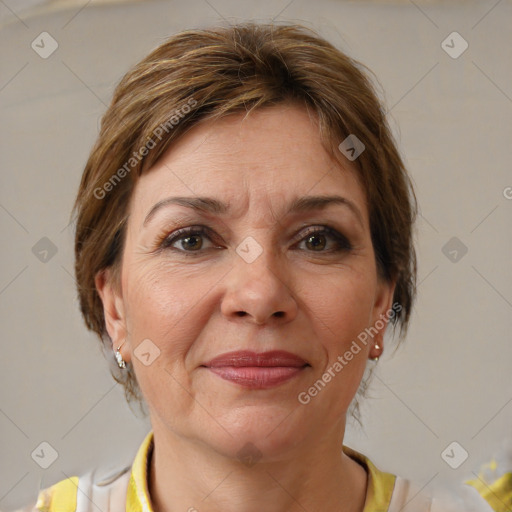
297,295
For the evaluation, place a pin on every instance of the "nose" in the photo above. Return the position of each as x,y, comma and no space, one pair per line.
258,291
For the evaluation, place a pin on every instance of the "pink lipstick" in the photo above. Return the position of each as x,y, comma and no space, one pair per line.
257,370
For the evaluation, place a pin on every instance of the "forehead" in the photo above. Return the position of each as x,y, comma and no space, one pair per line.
268,157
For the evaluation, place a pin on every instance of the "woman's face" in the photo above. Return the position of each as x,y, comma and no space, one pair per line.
267,249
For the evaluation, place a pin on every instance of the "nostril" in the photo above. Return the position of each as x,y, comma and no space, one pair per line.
279,314
241,313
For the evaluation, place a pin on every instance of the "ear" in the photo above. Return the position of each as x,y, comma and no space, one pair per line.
381,314
113,310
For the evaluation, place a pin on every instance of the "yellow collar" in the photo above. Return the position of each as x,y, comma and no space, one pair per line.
378,497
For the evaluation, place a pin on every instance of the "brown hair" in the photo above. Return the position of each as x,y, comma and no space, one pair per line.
209,73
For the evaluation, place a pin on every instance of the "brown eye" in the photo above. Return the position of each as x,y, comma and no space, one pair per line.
187,240
326,240
194,242
316,242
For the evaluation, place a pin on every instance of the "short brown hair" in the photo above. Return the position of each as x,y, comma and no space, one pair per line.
207,74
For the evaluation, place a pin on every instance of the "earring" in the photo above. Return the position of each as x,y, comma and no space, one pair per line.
119,358
377,347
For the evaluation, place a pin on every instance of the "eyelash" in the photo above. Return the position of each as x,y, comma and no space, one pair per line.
166,241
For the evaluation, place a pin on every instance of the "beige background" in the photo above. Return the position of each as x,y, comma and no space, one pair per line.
451,380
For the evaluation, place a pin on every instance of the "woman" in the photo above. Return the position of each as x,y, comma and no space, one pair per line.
244,236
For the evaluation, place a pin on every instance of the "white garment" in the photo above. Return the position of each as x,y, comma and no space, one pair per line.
97,492
408,497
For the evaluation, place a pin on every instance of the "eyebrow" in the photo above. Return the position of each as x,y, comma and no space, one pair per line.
307,203
204,204
212,205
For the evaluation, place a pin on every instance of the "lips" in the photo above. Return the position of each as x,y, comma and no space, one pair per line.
247,358
257,370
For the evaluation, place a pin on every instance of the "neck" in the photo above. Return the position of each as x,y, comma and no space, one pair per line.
187,476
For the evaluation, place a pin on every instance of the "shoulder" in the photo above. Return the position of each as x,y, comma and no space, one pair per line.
408,496
387,492
105,488
392,493
109,489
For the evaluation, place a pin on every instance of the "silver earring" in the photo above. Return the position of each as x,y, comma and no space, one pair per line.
377,347
119,358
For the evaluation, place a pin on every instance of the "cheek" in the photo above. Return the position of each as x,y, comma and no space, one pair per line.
167,305
343,303
339,308
162,306
343,312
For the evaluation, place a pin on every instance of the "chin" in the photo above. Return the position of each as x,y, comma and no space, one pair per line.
266,431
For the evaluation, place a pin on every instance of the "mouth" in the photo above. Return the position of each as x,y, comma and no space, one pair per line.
257,370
